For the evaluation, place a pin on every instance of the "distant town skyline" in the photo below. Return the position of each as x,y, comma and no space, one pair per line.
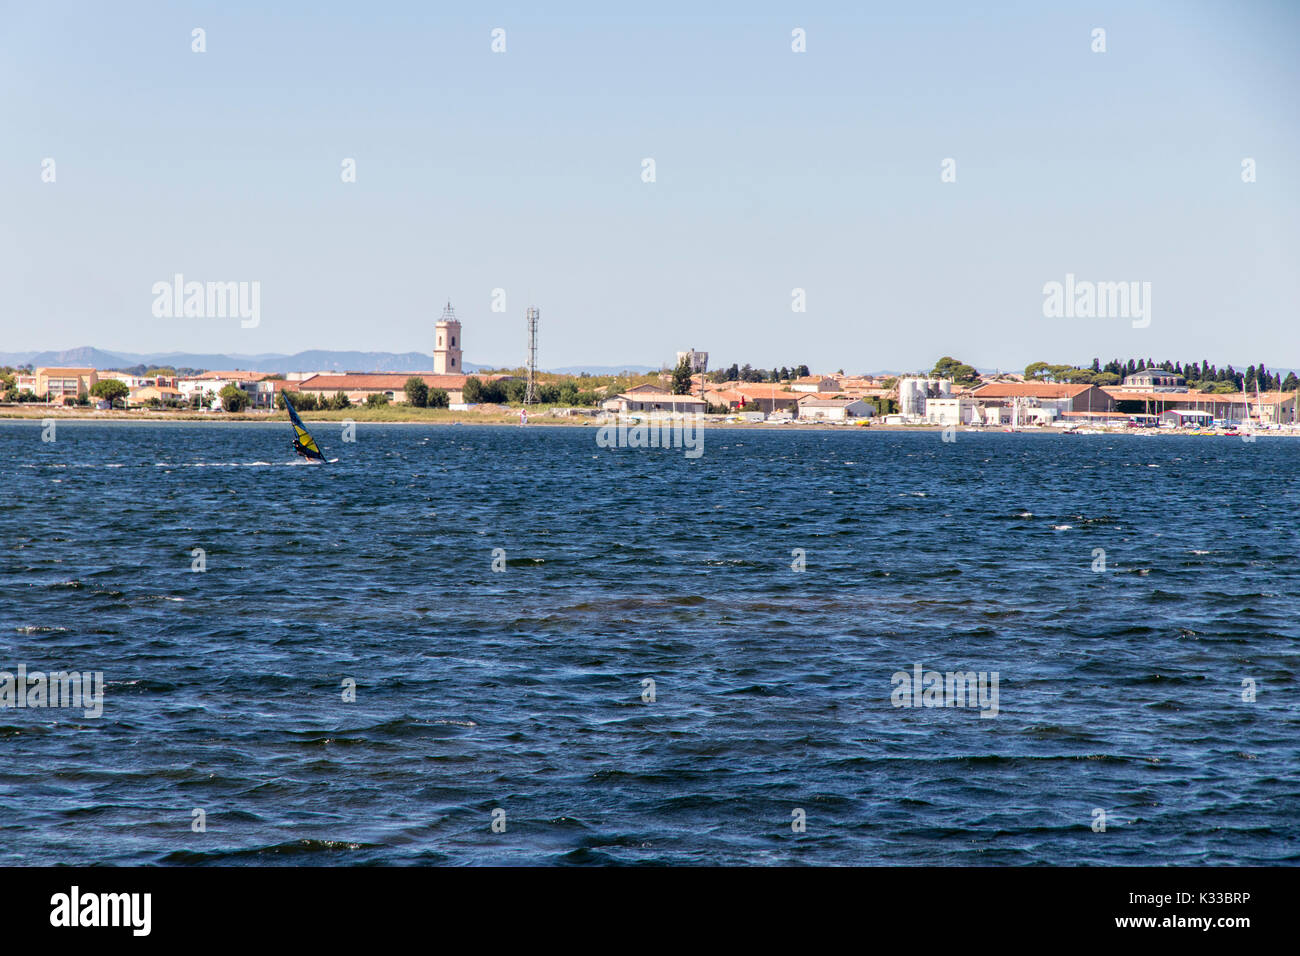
413,361
906,177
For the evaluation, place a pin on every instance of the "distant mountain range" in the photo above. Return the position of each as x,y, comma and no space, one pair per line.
603,369
316,360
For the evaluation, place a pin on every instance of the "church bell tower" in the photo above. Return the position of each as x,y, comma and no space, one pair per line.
447,345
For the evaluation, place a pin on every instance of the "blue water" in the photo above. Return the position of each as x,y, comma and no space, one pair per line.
521,690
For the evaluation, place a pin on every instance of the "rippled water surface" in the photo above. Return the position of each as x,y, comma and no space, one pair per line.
522,690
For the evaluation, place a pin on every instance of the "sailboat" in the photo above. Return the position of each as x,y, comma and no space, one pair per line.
303,443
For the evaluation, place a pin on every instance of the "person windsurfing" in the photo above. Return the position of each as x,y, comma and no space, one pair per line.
303,443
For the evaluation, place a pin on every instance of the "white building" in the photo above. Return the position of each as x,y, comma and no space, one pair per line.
652,400
813,407
127,379
991,415
913,393
950,411
699,361
814,383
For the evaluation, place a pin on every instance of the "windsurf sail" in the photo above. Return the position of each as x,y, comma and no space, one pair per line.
303,443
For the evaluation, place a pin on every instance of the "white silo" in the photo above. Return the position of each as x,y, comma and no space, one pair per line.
911,397
905,396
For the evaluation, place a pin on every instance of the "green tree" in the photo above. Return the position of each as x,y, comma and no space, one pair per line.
959,372
376,399
437,398
516,389
233,398
110,390
1037,371
682,378
417,392
472,391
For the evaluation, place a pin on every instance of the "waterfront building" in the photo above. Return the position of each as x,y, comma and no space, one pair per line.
956,410
765,398
145,394
1230,407
914,392
1064,399
817,407
654,399
229,375
1155,379
127,379
57,383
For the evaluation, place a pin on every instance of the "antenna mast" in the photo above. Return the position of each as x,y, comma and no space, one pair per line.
532,315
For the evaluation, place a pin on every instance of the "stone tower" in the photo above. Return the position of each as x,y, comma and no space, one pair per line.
448,345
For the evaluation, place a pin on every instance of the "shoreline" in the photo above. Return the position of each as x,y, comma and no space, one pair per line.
510,420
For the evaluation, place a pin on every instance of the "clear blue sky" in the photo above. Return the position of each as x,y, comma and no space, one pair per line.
775,170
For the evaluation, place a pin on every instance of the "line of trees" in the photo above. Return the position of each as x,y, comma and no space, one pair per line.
747,373
419,394
306,401
512,392
1202,376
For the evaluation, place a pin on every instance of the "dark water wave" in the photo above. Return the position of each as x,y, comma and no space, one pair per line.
521,691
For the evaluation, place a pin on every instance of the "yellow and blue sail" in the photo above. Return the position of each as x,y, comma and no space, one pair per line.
305,441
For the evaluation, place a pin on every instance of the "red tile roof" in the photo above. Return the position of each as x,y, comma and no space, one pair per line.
382,381
1028,390
239,375
768,391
